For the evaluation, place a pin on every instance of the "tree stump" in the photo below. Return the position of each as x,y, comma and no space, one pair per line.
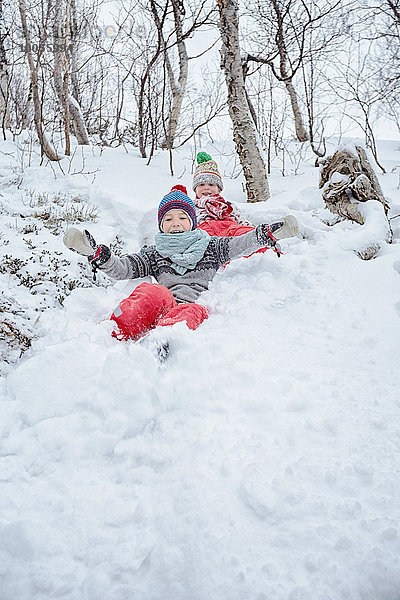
347,179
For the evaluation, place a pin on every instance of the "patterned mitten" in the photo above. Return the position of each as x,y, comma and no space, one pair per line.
84,243
284,229
268,235
80,241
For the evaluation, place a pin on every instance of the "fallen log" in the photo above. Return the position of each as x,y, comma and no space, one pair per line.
347,180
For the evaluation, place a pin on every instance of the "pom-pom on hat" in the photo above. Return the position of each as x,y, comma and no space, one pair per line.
206,171
177,198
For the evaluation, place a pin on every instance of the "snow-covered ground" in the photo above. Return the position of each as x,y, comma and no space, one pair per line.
261,462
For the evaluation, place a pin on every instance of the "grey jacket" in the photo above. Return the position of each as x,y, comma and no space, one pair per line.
187,287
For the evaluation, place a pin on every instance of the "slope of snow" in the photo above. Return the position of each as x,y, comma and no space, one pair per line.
261,461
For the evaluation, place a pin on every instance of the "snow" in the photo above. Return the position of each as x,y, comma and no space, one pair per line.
339,178
260,462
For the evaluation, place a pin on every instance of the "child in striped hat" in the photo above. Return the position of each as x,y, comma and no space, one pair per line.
177,201
215,215
183,261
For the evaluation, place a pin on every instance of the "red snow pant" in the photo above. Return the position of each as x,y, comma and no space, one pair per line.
150,305
227,228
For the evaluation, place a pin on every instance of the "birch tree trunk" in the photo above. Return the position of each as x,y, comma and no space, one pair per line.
4,80
144,79
78,120
60,71
44,144
178,88
244,134
61,75
301,132
25,110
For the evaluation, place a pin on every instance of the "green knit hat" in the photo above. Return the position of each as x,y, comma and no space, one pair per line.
206,171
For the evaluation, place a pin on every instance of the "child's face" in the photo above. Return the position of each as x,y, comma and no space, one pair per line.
176,221
206,189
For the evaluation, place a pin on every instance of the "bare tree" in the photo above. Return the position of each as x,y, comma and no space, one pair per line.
61,70
150,52
184,25
4,77
37,103
244,134
178,87
145,122
135,87
62,47
381,27
280,41
352,84
313,73
272,112
276,14
72,43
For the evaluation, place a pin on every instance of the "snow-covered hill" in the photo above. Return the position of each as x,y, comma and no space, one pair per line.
261,462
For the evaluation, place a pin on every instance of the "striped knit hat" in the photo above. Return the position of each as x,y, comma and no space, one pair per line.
177,198
206,171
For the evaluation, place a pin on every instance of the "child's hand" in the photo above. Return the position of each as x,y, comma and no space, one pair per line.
84,243
268,235
288,227
80,241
